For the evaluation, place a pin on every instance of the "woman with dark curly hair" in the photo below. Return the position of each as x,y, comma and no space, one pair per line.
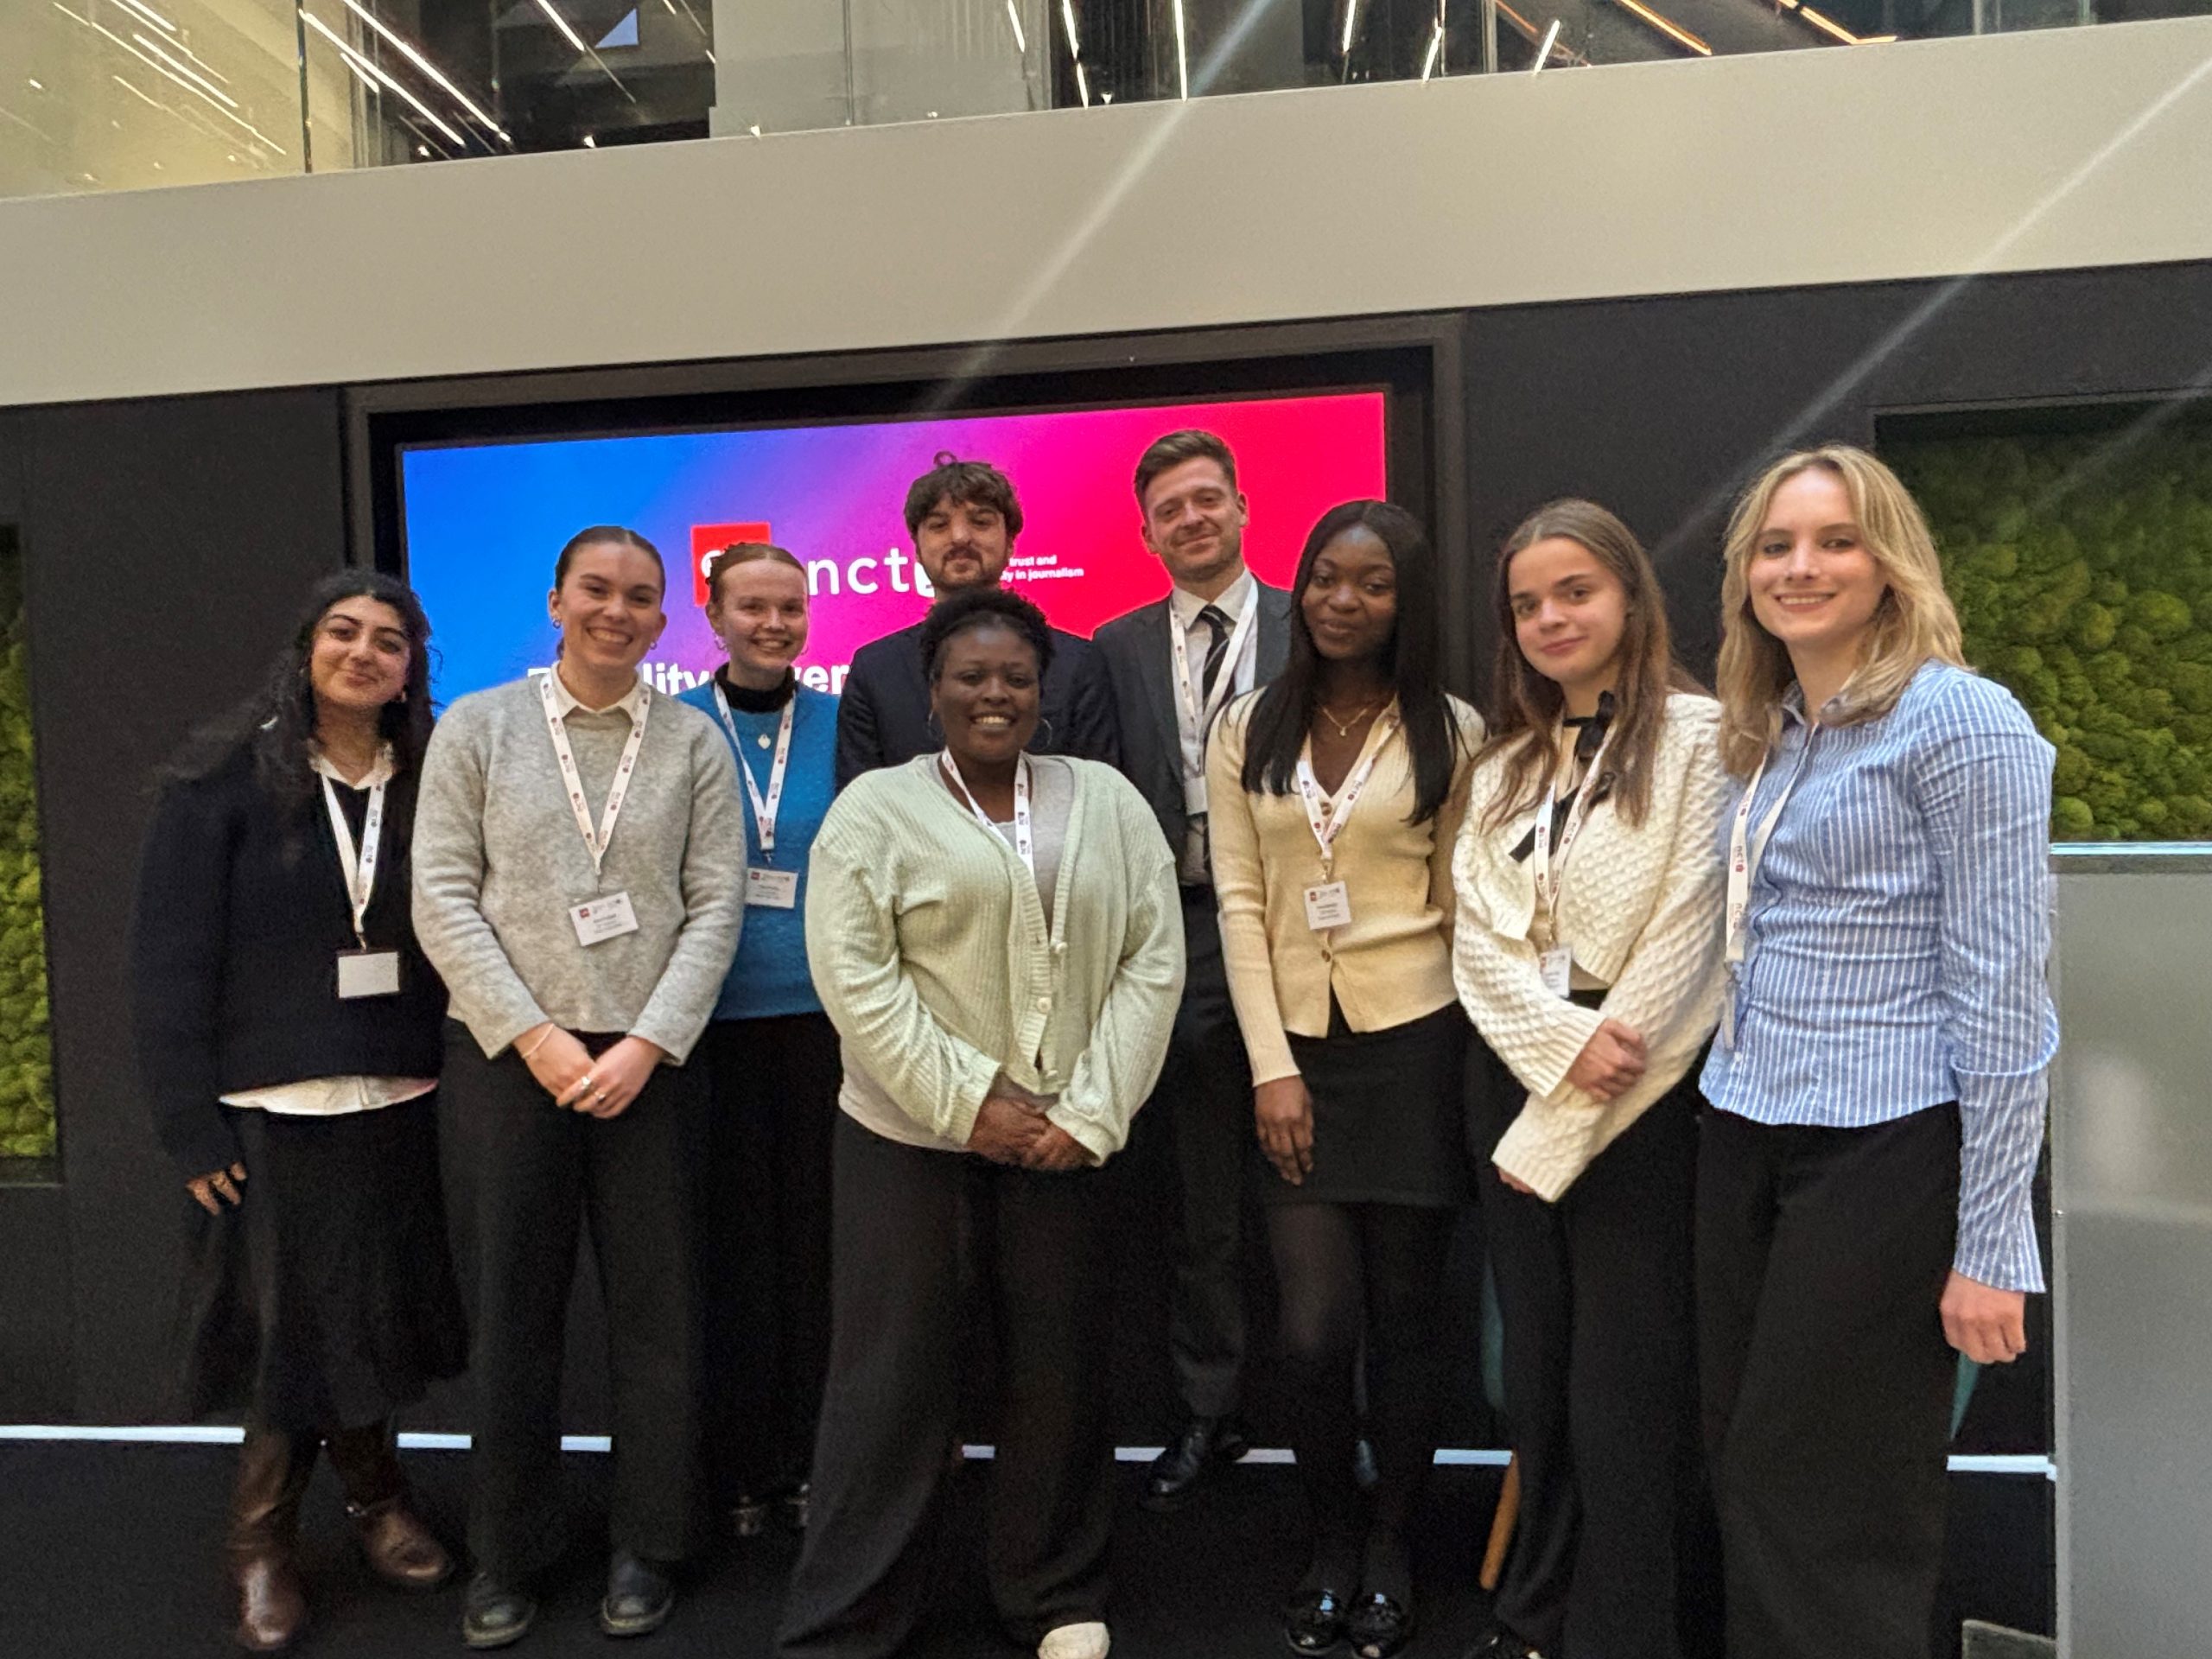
288,1036
1004,1007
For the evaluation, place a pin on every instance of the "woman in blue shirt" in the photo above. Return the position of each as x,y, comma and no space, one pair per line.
1879,1085
772,1054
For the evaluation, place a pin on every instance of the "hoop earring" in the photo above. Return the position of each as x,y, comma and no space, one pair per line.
932,725
1047,725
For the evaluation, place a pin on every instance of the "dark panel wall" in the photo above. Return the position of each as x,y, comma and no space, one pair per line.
166,545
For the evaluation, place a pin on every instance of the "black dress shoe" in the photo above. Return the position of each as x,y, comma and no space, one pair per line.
638,1598
1378,1626
1501,1644
493,1614
1205,1444
1314,1621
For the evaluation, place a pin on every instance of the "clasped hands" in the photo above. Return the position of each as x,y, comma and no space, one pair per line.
1012,1132
565,1070
1611,1064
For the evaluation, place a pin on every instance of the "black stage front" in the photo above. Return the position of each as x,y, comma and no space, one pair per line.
110,1552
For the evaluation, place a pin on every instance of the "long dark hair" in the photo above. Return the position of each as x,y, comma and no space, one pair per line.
276,723
1284,712
1528,705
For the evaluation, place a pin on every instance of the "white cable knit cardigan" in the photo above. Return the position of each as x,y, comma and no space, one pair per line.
1641,907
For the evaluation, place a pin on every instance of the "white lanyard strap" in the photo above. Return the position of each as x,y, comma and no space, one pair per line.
765,808
1325,831
1541,857
1746,848
360,868
1024,840
1195,709
595,840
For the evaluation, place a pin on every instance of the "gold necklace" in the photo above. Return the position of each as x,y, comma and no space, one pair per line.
1343,727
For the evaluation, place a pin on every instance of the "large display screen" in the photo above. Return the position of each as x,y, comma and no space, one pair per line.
482,521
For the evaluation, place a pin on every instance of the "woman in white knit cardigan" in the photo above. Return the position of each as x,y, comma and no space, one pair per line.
1587,952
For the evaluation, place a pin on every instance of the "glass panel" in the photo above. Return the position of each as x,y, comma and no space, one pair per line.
2082,565
26,1055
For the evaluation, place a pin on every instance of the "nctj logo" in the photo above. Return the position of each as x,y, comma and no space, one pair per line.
707,540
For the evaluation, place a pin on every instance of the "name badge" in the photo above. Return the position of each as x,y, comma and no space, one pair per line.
367,973
608,916
1327,905
1557,965
771,889
1194,795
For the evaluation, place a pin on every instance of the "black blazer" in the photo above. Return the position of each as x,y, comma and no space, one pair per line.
242,910
1133,655
883,713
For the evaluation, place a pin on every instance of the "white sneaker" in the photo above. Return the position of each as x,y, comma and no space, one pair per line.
1076,1641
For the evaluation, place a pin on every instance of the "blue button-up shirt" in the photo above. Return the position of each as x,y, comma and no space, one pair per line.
1897,935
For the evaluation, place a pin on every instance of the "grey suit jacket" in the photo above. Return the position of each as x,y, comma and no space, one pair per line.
1133,655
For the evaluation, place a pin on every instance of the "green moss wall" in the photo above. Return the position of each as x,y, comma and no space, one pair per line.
26,1054
2081,567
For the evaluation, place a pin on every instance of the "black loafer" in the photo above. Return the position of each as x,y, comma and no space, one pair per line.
1379,1626
1205,1444
1314,1621
494,1614
638,1598
1497,1643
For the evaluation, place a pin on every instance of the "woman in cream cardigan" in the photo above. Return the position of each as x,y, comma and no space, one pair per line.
1005,1007
1588,954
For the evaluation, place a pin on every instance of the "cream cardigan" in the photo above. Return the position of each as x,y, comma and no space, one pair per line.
1641,906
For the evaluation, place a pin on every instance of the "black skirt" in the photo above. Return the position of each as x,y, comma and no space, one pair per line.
1387,1113
326,1298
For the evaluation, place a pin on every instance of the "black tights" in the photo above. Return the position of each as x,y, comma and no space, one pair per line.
1349,1271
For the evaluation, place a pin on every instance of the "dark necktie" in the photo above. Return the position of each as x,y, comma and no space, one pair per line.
1217,620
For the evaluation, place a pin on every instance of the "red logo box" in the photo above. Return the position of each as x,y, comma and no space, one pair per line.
707,540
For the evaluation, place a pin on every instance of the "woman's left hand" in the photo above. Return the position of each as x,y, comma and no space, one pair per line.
615,1078
1055,1151
1988,1325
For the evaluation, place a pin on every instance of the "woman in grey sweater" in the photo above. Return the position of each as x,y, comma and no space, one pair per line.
1004,1007
583,946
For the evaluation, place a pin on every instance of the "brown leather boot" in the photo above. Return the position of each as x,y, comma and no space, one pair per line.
273,1471
399,1548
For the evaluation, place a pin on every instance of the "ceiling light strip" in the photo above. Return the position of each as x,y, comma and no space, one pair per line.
406,49
379,77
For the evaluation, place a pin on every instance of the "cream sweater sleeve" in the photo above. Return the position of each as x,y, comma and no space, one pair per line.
1669,987
1240,885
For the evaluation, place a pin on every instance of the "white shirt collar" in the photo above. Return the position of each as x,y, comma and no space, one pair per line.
382,772
566,703
1187,605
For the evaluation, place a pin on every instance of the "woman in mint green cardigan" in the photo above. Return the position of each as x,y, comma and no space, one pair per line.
1004,1007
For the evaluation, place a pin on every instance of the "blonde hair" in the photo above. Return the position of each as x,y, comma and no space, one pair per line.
1913,625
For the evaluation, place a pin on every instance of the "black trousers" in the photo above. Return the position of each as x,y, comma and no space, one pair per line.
890,1418
1600,1391
764,1253
1821,1257
540,1172
1205,1095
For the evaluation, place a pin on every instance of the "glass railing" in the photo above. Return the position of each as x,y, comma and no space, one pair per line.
129,94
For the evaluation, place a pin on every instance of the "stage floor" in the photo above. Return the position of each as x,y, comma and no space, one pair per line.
110,1552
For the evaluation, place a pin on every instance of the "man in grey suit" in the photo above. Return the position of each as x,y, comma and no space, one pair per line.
1169,668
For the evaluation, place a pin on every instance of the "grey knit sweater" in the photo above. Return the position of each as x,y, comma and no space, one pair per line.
498,861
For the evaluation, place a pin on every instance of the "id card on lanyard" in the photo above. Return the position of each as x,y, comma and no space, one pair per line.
361,972
1746,847
1025,844
605,916
764,884
1194,714
1549,867
1328,902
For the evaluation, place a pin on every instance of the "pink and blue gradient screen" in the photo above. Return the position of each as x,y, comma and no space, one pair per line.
484,521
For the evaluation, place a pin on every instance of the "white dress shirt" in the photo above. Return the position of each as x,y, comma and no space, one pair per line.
1192,867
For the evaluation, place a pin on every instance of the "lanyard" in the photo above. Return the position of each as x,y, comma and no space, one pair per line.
1745,849
360,868
1194,716
594,840
763,808
1024,844
1326,833
1540,857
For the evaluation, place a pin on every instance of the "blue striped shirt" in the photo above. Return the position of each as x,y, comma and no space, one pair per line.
1897,937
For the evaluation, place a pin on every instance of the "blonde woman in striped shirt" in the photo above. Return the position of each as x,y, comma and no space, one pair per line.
1004,1007
1878,1085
